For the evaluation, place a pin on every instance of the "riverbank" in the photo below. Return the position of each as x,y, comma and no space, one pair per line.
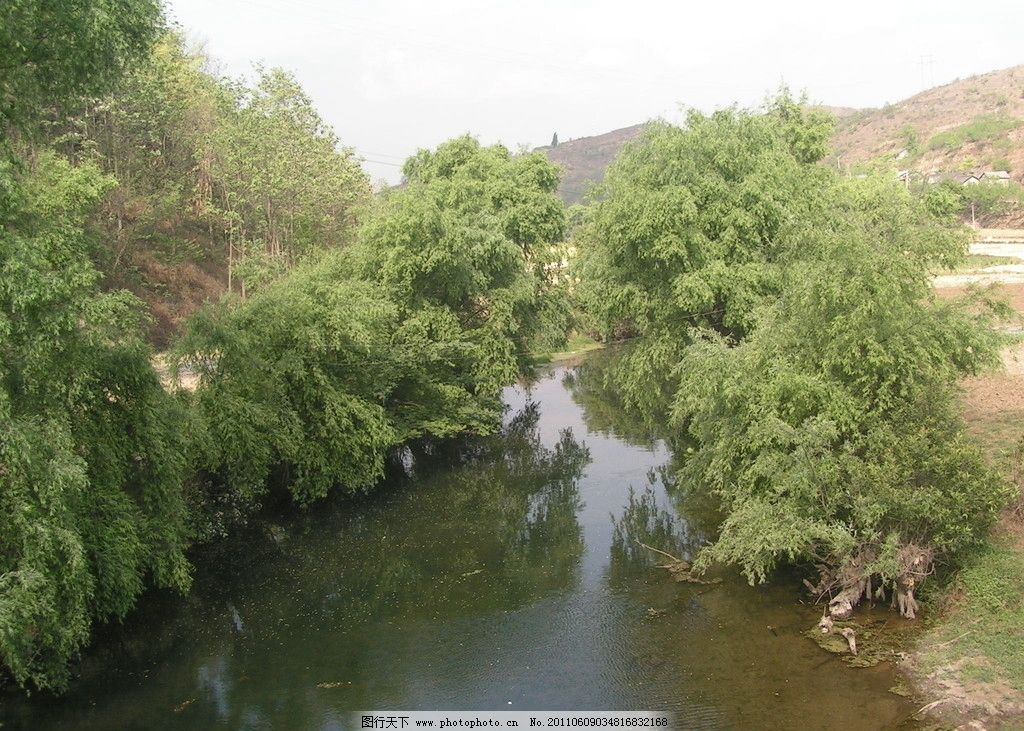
575,347
969,659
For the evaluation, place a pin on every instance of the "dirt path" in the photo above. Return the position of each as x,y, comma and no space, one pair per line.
1005,245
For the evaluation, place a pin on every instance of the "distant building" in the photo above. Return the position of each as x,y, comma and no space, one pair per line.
1000,177
970,177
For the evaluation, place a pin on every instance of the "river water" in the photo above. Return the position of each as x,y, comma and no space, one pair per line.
499,573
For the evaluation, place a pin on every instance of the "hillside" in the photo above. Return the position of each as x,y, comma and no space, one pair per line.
584,160
968,123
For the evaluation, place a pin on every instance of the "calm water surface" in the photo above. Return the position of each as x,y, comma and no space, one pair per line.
499,574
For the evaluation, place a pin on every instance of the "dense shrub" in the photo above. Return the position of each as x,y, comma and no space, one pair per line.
786,318
91,459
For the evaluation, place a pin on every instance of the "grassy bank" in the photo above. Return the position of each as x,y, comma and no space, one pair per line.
575,346
977,262
970,657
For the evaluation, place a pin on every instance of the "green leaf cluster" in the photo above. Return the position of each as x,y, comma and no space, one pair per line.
691,227
785,317
52,53
91,457
408,335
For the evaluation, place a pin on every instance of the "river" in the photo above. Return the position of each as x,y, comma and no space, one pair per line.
497,573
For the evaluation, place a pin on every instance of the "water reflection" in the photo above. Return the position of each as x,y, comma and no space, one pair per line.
487,572
470,528
592,385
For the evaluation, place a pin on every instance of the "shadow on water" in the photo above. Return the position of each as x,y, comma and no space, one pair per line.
493,573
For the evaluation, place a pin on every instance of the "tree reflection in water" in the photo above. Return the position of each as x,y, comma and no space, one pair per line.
473,528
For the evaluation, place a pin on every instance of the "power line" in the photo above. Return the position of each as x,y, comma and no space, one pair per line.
927,61
382,162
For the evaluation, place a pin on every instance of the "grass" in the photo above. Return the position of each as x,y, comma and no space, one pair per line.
576,345
974,262
972,647
984,128
980,631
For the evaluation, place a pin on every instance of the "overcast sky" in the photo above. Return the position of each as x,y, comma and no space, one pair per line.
395,75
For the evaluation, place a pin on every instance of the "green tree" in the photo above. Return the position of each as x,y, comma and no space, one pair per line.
274,215
831,432
89,444
91,459
408,335
910,139
691,227
294,383
56,52
469,252
786,318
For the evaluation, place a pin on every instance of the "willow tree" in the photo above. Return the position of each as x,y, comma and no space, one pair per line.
91,460
408,335
691,227
786,320
467,250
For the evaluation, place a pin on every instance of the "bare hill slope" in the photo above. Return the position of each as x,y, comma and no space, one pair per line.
584,160
973,123
970,123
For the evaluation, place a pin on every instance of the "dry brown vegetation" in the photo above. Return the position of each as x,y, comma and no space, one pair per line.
583,161
871,133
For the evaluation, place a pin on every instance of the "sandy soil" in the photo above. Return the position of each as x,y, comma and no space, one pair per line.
1001,391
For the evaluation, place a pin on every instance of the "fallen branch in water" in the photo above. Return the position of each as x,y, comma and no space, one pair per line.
679,568
657,550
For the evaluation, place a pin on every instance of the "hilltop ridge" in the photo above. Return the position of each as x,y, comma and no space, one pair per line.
966,124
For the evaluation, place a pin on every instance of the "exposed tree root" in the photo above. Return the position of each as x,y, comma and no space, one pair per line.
855,581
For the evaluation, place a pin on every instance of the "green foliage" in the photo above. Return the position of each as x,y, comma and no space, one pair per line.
910,139
91,455
297,377
273,132
944,201
409,335
472,243
1001,163
91,459
983,621
786,318
691,227
55,52
952,198
830,432
207,193
983,128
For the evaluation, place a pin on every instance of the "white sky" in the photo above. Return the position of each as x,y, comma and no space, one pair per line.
395,75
